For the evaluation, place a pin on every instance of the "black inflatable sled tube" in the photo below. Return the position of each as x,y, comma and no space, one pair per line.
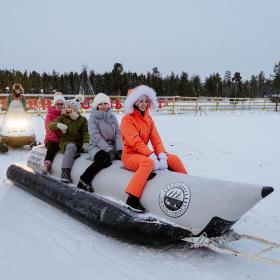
96,211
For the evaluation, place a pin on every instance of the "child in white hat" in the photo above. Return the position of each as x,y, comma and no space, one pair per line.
74,137
52,138
105,142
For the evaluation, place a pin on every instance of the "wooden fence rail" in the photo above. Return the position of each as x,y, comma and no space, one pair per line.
167,104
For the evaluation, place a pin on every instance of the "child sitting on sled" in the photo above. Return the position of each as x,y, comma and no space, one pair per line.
74,137
52,138
105,139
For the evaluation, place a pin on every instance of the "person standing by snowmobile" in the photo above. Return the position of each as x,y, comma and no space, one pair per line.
17,94
137,129
105,142
3,146
52,138
74,137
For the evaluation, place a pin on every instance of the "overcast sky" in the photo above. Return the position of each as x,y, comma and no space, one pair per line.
195,36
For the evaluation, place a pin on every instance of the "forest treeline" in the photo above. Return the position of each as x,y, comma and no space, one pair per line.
118,81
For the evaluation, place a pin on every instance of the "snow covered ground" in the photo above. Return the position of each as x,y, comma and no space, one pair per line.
39,241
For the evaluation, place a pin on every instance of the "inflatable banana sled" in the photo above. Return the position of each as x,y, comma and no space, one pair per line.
177,205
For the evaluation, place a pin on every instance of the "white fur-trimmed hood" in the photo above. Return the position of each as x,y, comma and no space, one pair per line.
135,94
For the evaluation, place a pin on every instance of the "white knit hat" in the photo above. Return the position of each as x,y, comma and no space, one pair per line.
135,94
76,102
58,96
101,98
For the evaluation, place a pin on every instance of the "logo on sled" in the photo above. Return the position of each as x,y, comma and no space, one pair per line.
174,199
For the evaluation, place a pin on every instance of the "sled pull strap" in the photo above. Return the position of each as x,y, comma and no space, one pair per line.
255,257
272,245
216,244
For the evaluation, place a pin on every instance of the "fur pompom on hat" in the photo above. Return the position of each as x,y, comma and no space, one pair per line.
58,96
17,86
75,103
136,93
101,98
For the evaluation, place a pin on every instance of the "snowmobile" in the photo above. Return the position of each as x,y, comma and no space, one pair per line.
192,209
16,130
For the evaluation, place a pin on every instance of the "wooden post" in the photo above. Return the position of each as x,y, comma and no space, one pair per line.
264,104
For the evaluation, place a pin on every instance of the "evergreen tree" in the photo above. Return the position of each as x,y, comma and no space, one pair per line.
185,87
196,85
213,85
26,81
55,81
116,79
276,77
261,84
227,84
117,82
237,84
253,85
35,82
172,85
156,81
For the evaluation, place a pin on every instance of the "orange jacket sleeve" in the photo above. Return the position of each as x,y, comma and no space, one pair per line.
132,138
156,140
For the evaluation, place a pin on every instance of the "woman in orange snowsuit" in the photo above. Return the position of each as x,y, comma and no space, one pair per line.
138,128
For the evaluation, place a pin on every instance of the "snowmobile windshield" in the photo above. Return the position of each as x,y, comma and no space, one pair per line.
16,117
16,110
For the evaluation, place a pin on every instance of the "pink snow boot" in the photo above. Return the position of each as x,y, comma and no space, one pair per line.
46,166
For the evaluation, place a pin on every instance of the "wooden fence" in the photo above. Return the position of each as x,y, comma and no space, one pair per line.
167,104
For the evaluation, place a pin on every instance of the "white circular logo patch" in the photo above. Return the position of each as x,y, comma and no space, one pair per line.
174,199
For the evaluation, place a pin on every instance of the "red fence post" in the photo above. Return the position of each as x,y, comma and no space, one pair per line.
32,103
118,104
45,103
86,104
4,104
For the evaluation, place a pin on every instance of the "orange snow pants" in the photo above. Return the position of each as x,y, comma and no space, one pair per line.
144,166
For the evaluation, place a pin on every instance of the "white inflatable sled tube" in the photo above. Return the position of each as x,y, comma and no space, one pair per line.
194,203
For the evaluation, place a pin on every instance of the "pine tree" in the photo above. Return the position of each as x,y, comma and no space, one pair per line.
261,84
196,85
253,85
116,79
237,84
227,84
276,77
213,85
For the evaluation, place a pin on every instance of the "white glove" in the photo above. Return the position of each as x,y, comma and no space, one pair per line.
163,161
63,127
156,161
85,147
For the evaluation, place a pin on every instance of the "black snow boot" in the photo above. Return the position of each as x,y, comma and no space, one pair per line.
152,175
134,204
85,186
65,175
